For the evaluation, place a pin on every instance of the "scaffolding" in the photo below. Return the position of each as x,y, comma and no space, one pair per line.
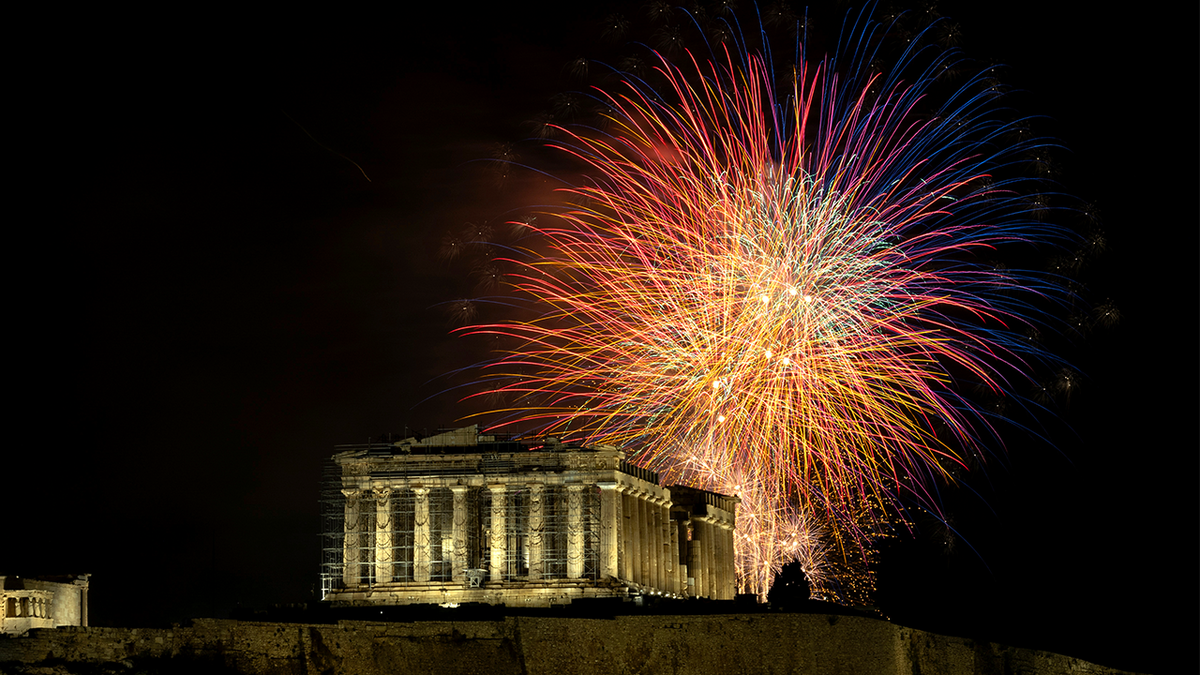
517,536
551,540
332,526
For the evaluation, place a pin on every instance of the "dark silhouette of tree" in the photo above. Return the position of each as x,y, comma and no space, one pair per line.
790,591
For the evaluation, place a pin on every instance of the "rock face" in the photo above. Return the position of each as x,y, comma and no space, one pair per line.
646,645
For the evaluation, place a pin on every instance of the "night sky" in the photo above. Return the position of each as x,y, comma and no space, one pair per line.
213,294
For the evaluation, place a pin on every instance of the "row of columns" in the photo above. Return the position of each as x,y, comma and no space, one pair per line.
643,546
639,540
534,532
27,606
710,557
380,499
357,500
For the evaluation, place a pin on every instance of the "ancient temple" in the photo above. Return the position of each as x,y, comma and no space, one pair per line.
464,516
43,602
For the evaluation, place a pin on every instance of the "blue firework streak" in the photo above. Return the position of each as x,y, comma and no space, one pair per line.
789,276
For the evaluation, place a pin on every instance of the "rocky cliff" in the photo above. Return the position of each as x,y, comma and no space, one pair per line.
530,645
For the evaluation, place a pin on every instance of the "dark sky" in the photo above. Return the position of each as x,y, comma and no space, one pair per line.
213,296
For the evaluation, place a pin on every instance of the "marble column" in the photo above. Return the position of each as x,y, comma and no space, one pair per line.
714,541
458,533
574,531
350,543
695,559
710,556
535,523
626,534
635,537
645,539
730,559
727,559
383,535
498,543
731,542
421,543
672,550
654,508
610,499
681,553
719,558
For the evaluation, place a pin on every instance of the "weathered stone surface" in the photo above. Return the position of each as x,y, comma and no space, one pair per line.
645,645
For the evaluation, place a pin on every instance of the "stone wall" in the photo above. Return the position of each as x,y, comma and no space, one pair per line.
529,645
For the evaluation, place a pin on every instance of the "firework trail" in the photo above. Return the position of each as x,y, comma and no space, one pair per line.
788,279
770,531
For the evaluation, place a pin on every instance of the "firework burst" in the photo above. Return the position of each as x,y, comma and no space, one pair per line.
778,288
770,531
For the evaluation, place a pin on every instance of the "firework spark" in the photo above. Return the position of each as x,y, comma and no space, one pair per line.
779,289
770,531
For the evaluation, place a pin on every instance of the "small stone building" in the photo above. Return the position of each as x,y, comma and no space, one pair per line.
470,517
43,602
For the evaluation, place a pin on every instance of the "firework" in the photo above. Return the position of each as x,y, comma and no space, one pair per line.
770,531
778,288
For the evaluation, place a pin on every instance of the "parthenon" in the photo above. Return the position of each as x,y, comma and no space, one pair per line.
464,516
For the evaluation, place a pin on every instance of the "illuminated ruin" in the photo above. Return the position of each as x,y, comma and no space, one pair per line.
464,516
43,602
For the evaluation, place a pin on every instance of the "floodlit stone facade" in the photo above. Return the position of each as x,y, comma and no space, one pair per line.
45,602
469,517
